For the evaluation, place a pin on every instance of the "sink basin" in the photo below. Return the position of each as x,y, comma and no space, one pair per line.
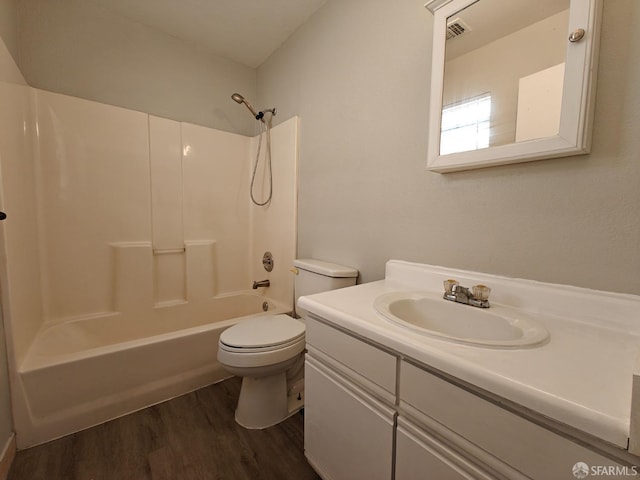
430,314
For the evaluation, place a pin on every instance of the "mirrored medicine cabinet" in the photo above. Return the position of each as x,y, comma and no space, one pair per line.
511,81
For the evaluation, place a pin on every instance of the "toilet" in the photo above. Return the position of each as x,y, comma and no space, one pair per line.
268,351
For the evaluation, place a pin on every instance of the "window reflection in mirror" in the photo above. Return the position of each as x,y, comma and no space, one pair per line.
505,60
466,125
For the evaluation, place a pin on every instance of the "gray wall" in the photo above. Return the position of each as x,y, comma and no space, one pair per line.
358,75
9,26
77,48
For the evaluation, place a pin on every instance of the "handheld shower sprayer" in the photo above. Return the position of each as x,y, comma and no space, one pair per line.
236,97
266,125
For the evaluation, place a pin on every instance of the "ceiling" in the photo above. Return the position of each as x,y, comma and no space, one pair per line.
489,20
246,31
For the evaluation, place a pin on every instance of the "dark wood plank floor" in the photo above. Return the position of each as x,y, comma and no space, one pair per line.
193,437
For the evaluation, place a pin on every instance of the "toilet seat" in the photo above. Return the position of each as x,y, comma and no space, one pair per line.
262,334
270,348
261,341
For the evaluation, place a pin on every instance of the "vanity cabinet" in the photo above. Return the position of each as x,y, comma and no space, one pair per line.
371,413
349,406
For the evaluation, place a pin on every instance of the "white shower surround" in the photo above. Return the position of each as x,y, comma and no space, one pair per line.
121,220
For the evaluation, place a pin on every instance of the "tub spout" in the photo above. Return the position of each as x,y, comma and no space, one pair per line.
261,283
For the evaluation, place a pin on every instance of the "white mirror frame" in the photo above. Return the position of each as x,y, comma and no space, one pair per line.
578,101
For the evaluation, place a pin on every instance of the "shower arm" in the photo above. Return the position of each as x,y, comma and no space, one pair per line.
259,115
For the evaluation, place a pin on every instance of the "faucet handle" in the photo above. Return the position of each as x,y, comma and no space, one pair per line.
481,292
449,284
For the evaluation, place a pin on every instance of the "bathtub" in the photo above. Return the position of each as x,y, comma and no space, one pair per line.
84,372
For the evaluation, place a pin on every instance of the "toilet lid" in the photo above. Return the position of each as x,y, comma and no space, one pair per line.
264,331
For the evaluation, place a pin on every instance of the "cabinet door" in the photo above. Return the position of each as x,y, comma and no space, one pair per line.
521,444
421,457
348,434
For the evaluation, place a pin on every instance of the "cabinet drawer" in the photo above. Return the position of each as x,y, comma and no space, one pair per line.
526,446
347,433
368,361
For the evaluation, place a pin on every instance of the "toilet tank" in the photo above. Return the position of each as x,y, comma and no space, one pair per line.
315,276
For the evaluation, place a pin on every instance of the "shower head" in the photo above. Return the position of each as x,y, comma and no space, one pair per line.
236,97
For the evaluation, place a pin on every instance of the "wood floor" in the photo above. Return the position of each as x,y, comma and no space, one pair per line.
193,437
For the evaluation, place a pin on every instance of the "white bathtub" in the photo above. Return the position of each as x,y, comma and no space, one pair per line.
84,372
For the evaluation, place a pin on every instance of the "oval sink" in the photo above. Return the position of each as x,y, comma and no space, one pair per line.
432,315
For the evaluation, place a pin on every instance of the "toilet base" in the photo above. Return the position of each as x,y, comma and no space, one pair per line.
264,401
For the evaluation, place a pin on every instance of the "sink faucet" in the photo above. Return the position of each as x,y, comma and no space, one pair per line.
261,283
477,296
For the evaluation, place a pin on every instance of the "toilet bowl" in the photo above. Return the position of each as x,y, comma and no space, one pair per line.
267,352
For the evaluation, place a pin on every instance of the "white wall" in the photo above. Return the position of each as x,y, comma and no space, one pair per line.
358,75
79,49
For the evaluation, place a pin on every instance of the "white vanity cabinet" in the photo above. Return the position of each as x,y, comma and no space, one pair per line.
417,403
372,413
349,406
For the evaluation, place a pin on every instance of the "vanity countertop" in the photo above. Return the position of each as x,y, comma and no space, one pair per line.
581,377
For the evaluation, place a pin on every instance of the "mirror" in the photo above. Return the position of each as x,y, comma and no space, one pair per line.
508,85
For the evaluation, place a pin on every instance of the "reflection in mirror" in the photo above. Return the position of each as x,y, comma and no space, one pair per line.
503,73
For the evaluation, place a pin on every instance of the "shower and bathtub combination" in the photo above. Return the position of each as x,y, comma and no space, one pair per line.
131,243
